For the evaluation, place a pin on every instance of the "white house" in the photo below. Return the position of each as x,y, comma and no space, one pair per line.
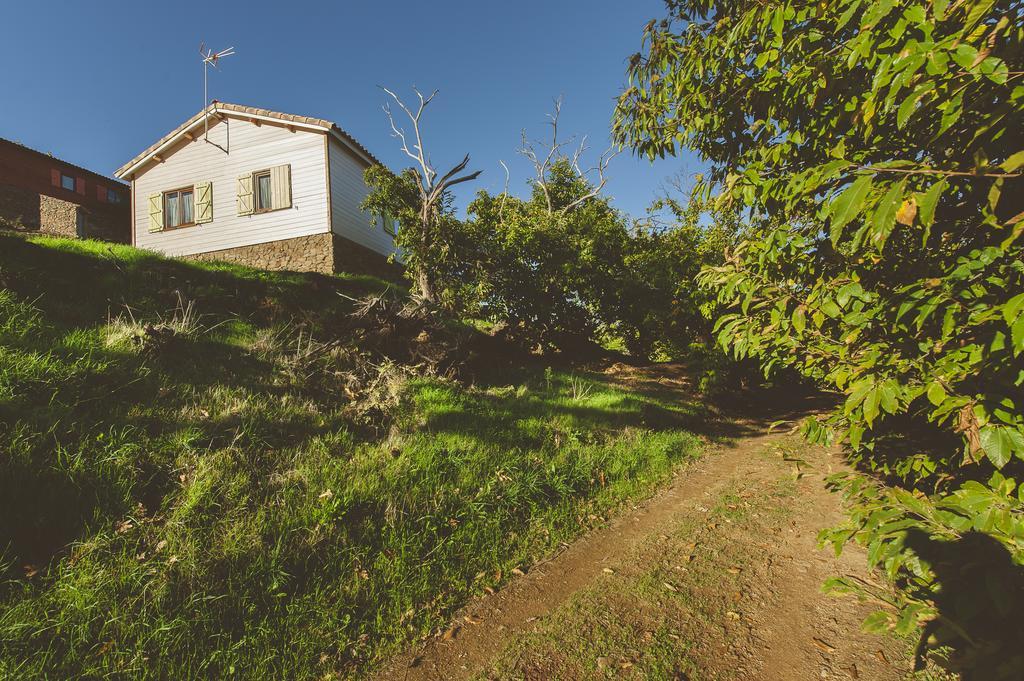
261,188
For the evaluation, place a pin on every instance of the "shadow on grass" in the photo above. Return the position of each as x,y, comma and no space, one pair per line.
90,429
79,283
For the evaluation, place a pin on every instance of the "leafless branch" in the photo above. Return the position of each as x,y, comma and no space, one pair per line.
543,162
504,193
937,171
420,156
430,187
600,168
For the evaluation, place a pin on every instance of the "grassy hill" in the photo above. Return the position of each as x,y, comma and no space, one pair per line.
192,487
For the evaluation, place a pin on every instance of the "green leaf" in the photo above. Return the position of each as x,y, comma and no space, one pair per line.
848,291
878,622
926,202
848,205
1015,161
1016,440
978,10
800,319
951,112
996,445
831,309
1013,307
885,214
871,402
965,55
877,11
856,433
777,24
995,70
936,393
915,14
907,109
888,399
1017,335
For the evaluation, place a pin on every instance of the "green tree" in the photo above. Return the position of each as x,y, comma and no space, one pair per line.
885,140
420,199
545,263
657,305
436,253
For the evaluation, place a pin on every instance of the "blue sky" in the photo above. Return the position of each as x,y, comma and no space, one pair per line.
95,83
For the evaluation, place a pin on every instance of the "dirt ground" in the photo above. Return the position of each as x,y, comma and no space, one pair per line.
718,576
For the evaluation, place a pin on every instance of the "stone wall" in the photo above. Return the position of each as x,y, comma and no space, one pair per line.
323,253
58,217
313,253
24,210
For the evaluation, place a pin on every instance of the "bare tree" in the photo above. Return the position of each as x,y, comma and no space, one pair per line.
544,155
432,186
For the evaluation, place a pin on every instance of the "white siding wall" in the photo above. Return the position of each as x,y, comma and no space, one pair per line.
347,191
249,148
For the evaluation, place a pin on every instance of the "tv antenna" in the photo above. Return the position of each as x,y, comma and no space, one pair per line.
210,58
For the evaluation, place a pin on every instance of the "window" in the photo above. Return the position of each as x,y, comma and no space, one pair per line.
68,182
113,197
178,208
264,196
390,224
265,190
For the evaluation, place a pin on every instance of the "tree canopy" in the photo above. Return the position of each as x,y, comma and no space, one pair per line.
877,148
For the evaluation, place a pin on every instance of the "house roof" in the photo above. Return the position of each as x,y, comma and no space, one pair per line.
242,111
105,178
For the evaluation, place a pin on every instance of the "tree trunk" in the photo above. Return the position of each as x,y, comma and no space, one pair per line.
424,275
425,284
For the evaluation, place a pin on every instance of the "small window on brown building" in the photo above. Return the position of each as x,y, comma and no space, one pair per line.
67,182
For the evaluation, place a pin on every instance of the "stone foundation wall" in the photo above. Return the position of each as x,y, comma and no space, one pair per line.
60,218
323,253
24,210
313,253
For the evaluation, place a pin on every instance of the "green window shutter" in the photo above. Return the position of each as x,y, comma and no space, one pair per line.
203,193
281,186
245,197
156,212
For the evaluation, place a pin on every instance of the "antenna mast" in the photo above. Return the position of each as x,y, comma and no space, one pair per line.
209,59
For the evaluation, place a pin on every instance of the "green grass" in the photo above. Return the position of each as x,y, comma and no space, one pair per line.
198,510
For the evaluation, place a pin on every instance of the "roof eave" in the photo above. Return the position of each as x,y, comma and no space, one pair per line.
130,168
353,147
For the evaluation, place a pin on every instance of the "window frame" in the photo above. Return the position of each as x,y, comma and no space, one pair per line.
256,191
190,189
65,176
113,196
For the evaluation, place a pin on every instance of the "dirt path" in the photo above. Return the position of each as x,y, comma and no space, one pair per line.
718,576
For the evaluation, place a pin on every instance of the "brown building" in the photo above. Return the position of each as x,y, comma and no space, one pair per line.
41,193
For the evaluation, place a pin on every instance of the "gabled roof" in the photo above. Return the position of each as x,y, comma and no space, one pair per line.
245,112
93,173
